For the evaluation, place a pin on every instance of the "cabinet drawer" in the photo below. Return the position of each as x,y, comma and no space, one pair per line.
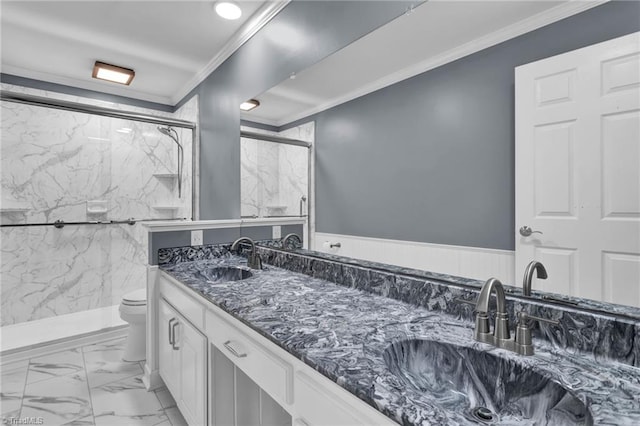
320,402
184,303
320,407
273,374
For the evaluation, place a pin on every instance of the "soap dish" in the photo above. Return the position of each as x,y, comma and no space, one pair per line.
97,206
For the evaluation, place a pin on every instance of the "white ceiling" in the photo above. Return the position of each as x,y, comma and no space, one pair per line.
174,45
171,45
430,35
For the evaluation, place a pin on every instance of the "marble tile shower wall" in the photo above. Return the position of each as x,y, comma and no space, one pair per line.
274,176
78,167
605,337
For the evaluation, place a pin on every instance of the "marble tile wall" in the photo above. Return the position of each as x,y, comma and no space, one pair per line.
79,167
274,176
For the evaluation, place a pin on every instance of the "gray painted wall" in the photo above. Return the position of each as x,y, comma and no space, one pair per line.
300,35
431,159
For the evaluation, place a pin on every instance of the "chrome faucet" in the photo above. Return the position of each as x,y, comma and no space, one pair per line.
501,325
521,343
532,267
253,259
288,237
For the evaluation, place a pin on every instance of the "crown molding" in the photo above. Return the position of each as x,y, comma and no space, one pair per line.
254,24
524,26
259,120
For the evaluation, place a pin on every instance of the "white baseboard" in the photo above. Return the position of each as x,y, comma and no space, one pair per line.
151,379
469,262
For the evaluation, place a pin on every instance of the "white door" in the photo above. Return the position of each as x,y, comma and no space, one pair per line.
578,170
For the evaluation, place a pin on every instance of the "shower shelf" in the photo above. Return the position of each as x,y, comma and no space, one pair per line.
166,175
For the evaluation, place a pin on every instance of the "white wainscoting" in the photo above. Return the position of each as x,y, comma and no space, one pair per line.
470,262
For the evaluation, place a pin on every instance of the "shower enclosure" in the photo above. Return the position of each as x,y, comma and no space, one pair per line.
275,172
76,181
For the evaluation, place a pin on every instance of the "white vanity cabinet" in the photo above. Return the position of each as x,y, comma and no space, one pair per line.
223,373
183,363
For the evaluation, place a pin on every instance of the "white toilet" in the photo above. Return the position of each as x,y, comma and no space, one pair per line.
133,309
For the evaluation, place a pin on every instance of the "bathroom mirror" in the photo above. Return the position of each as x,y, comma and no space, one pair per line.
390,205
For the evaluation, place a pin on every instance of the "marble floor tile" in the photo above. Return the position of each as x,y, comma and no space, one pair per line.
13,378
63,363
86,386
126,402
105,365
59,400
85,421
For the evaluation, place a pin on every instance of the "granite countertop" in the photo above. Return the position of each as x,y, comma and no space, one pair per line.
343,333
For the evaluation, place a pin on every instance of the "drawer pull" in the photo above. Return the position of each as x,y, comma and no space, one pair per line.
173,332
233,350
170,333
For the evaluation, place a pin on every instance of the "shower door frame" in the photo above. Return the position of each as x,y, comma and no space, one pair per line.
310,228
122,114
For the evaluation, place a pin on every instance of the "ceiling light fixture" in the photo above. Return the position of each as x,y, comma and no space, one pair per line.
112,73
249,105
228,10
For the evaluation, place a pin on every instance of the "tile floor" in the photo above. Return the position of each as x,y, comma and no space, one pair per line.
90,385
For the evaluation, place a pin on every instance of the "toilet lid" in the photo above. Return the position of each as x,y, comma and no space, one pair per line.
135,298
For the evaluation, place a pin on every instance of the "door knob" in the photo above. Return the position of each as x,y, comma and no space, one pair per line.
526,231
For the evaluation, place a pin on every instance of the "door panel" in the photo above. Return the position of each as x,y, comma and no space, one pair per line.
167,357
193,374
561,267
617,267
621,165
553,169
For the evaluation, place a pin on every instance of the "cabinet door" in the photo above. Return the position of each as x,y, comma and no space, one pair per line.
193,373
168,358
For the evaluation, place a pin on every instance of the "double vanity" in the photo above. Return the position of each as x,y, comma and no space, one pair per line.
311,339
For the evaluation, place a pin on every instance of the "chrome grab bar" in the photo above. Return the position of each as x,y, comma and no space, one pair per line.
61,223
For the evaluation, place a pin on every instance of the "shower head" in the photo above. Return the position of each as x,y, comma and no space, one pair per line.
169,131
173,134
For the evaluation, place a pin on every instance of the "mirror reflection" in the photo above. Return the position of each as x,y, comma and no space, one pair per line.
420,160
275,173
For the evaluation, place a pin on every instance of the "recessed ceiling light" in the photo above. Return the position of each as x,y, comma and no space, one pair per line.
228,10
113,73
249,105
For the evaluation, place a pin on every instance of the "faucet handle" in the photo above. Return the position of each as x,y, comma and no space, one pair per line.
464,301
254,261
523,317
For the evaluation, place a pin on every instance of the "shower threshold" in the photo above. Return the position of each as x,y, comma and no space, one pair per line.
27,337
